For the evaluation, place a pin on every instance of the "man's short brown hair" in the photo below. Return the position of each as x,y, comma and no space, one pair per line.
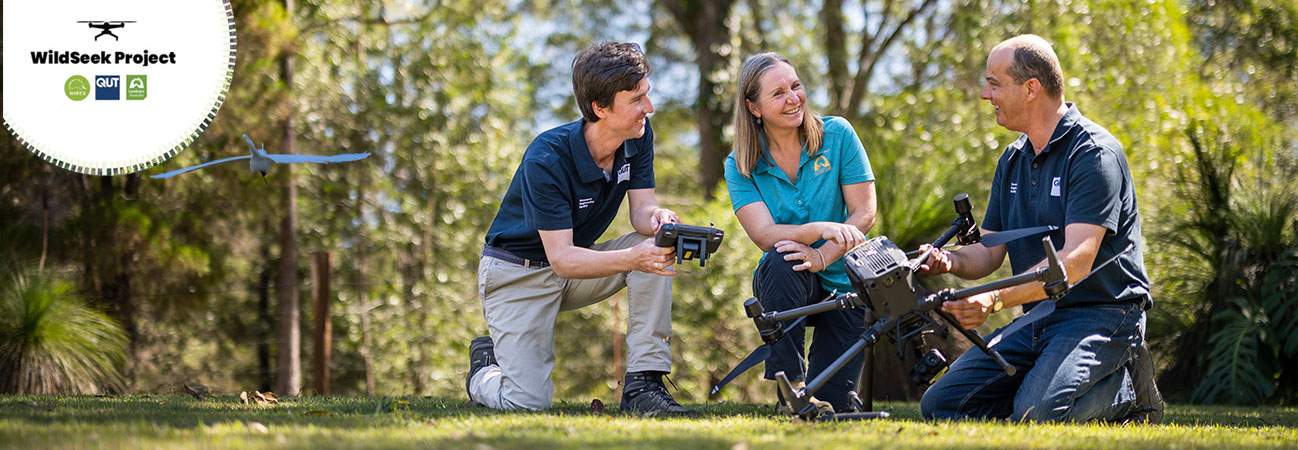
1034,58
603,70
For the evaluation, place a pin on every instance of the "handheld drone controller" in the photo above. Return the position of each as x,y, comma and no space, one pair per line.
690,241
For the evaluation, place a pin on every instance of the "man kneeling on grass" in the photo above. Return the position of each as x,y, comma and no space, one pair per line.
1086,361
541,257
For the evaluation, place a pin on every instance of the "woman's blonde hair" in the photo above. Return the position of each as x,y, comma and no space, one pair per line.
748,132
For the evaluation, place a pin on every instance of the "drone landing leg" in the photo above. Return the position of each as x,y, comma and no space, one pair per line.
862,397
978,341
799,400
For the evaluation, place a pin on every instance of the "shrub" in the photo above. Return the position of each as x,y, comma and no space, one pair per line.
51,341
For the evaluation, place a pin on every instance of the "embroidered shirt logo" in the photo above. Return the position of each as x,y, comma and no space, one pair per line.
1054,187
821,165
585,203
624,173
1014,187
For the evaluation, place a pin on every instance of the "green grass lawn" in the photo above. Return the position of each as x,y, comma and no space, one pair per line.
38,422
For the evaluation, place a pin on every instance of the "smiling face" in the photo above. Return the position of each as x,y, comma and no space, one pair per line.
626,115
1007,97
780,98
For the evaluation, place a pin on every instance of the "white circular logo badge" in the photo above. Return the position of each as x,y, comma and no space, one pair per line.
109,87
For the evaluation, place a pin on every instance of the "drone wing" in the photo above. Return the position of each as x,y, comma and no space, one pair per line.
284,159
200,166
250,144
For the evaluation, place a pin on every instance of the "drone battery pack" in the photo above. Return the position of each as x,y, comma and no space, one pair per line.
880,274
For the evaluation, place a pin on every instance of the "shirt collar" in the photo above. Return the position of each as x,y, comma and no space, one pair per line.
764,163
1066,123
586,167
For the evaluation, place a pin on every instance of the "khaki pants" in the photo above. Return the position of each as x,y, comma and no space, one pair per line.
521,304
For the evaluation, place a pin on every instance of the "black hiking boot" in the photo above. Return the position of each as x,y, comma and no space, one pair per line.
643,393
1149,402
482,353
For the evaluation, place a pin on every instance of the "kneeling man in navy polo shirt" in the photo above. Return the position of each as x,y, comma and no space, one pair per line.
541,256
1087,360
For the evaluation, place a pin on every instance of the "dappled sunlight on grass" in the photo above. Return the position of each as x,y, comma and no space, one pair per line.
350,422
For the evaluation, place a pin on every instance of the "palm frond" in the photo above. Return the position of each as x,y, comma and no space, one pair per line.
1238,370
1280,300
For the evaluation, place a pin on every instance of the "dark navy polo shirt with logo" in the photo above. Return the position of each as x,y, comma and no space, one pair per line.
1080,177
559,187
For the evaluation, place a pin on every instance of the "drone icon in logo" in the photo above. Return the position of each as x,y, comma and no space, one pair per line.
106,26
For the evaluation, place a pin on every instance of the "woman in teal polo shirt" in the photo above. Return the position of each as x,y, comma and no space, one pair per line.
802,188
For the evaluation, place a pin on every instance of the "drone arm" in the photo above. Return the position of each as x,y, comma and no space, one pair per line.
1060,268
845,301
978,341
1052,272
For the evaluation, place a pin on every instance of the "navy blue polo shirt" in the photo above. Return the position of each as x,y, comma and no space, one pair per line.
559,187
1080,177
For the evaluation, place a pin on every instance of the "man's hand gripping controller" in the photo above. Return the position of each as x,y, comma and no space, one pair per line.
690,241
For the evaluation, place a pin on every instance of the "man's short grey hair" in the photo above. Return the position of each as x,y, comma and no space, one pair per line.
1034,58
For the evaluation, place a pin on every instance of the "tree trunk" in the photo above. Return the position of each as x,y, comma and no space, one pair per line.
322,332
705,24
290,334
831,19
265,325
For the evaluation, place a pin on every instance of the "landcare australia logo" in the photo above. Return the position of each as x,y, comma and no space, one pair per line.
140,79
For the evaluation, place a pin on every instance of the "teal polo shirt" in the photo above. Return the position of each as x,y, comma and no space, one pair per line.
816,196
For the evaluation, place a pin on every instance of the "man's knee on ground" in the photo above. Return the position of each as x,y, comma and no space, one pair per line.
1038,411
933,406
525,404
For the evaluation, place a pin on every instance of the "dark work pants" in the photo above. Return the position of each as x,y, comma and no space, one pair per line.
780,288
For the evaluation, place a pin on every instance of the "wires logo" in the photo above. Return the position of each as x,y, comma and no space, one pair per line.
77,88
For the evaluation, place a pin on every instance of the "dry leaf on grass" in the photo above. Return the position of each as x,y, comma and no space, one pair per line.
193,392
261,398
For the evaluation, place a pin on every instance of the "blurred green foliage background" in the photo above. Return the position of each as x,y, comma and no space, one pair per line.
447,94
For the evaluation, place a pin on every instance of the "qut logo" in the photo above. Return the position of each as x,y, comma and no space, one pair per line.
108,87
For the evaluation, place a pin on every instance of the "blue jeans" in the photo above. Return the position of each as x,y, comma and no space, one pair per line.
780,288
1071,368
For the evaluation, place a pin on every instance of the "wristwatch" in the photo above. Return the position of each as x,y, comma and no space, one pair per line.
997,304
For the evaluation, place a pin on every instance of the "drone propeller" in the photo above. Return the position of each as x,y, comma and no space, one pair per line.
758,355
991,240
1044,308
1000,238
